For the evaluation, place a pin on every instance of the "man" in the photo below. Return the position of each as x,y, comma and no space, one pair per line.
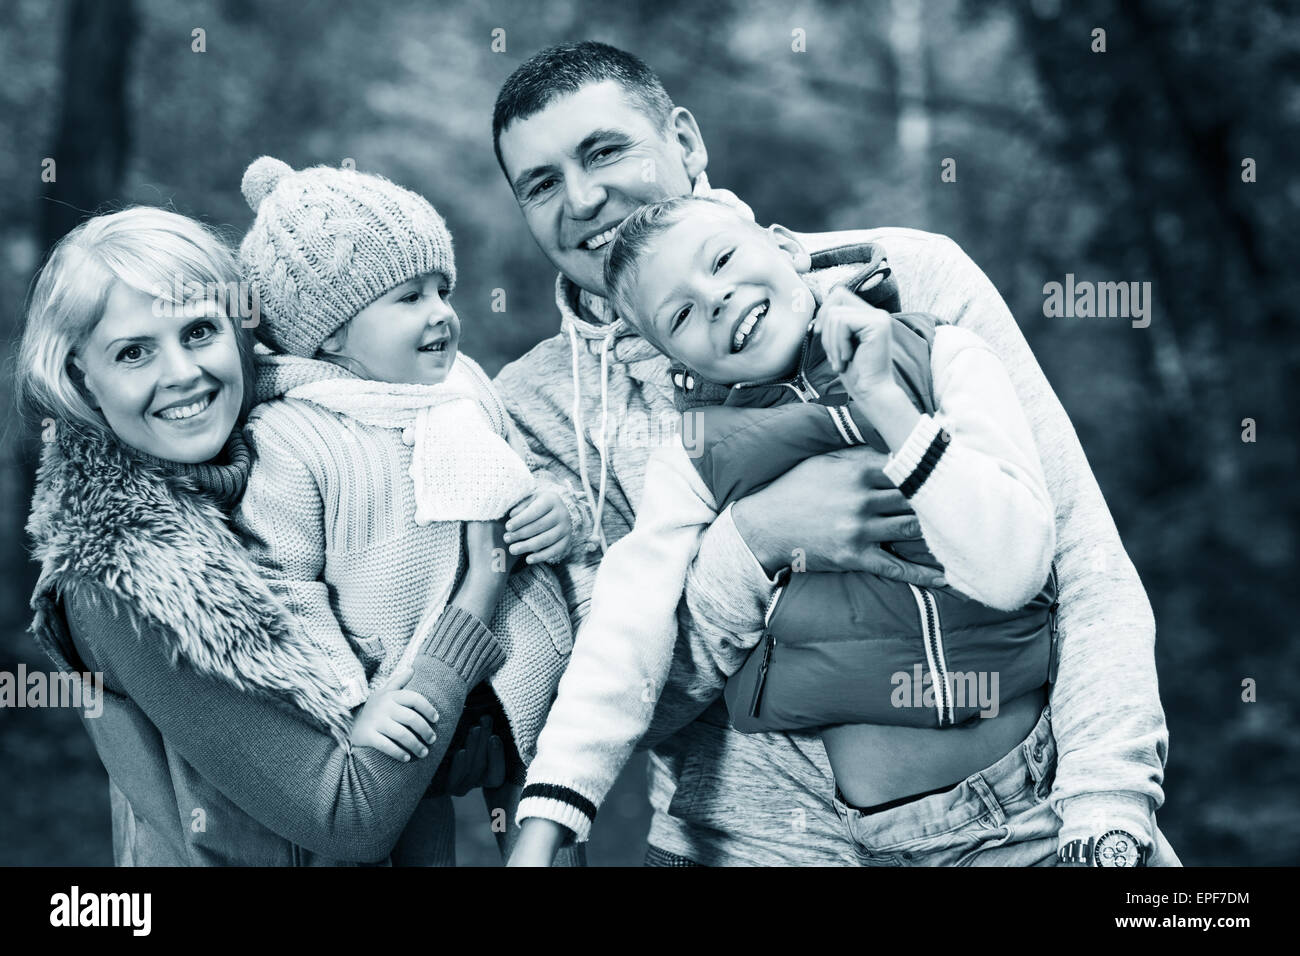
585,134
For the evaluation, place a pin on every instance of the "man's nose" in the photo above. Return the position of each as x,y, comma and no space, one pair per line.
584,197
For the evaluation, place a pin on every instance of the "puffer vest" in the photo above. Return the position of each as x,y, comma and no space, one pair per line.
853,647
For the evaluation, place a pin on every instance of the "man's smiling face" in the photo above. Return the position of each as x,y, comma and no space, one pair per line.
580,166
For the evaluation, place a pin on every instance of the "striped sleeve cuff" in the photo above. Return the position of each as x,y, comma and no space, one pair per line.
915,461
561,804
464,643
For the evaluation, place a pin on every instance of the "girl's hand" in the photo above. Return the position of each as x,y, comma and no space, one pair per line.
858,339
539,527
487,567
398,722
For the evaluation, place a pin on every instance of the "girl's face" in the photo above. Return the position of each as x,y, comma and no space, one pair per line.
408,336
170,385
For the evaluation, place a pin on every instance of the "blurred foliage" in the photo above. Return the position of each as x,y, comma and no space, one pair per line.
1123,165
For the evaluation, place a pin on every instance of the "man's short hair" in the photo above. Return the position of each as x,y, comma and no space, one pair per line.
565,69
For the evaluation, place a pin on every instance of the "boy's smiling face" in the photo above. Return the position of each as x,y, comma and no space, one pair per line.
724,296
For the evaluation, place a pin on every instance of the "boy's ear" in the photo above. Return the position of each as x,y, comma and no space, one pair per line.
333,343
785,239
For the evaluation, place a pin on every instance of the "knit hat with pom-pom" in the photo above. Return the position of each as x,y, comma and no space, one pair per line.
327,242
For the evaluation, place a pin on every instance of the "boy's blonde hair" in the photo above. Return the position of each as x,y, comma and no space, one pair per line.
151,250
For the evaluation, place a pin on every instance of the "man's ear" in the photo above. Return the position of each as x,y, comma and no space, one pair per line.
686,132
786,241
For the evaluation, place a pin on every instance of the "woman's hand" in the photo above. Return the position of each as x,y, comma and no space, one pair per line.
398,722
539,526
539,839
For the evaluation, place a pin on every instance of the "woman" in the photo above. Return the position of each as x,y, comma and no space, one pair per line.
223,740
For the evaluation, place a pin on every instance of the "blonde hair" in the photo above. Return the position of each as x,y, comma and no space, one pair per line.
154,251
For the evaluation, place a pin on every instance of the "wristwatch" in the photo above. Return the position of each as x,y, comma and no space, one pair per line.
1112,848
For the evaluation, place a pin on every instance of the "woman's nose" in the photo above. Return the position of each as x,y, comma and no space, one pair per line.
178,367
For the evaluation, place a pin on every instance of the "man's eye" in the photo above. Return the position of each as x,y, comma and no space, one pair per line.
132,353
722,261
600,153
681,317
542,186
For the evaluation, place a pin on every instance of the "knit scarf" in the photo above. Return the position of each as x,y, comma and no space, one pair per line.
462,466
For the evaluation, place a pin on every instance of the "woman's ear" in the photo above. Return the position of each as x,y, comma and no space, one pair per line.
686,132
786,241
76,369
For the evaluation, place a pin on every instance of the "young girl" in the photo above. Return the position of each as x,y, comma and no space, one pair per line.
375,443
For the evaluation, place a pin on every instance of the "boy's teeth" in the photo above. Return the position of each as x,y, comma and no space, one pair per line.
186,411
595,242
747,326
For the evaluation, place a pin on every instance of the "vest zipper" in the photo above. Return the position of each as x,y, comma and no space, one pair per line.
769,645
932,633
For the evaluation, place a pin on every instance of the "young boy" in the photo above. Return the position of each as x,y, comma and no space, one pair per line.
378,450
733,304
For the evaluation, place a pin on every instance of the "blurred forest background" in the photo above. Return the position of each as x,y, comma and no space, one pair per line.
1123,165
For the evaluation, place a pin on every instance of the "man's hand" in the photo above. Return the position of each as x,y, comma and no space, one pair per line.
539,526
834,511
398,722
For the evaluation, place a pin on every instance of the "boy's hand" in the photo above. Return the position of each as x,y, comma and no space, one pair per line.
858,339
539,839
398,722
539,526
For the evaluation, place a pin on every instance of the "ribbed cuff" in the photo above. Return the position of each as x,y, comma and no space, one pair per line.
915,461
463,643
563,805
1092,814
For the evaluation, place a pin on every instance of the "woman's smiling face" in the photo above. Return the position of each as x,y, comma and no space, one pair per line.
169,385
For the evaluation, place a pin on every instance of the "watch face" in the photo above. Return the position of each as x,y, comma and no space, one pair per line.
1117,848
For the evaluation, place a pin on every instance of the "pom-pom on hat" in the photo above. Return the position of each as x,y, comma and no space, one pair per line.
327,242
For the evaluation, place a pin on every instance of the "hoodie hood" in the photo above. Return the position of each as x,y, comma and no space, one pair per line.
106,523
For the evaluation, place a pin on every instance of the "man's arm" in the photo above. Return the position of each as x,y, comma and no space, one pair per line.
1106,713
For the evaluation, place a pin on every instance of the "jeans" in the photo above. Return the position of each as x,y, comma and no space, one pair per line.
1000,816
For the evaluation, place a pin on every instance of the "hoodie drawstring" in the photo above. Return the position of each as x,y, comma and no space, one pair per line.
597,505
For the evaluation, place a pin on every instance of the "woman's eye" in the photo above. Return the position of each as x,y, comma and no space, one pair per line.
444,293
722,261
681,317
204,330
132,353
411,296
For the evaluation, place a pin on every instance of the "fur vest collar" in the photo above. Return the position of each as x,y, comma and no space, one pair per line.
108,522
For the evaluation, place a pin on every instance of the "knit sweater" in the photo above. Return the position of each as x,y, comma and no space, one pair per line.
984,512
713,789
330,515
